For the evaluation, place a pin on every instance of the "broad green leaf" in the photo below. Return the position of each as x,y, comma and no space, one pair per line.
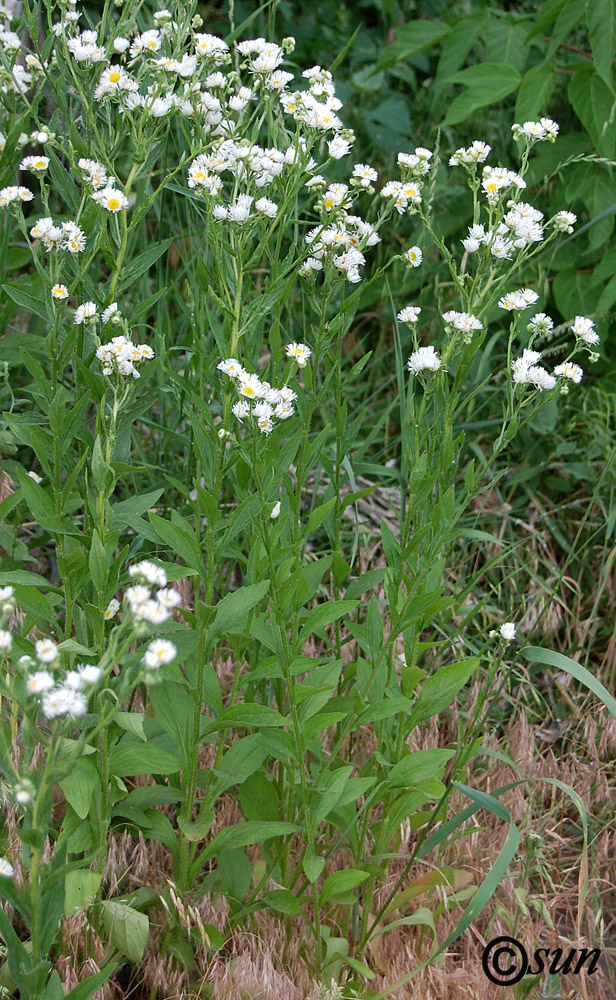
593,103
535,91
130,757
80,785
180,540
131,722
282,901
312,863
242,834
411,38
325,614
128,928
338,885
601,22
143,261
232,611
457,46
421,765
174,709
249,714
80,889
440,689
488,83
34,305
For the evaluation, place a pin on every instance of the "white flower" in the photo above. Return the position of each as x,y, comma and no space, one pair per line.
569,370
241,409
267,207
89,674
111,199
507,630
6,593
6,640
136,596
111,314
365,175
239,211
564,222
46,651
414,256
64,700
275,510
250,386
121,44
477,152
517,301
169,597
537,376
465,322
231,367
85,311
410,314
158,653
584,329
6,868
424,359
35,476
299,352
541,323
152,612
37,164
148,572
338,147
112,609
59,292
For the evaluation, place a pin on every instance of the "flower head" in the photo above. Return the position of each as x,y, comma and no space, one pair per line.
424,359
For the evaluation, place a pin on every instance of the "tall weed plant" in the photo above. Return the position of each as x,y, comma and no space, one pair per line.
190,624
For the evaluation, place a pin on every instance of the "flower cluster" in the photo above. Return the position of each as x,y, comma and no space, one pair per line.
532,132
120,356
62,236
149,598
14,194
59,693
259,400
518,301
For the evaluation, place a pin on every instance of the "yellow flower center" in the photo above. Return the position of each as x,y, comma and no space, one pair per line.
248,390
40,164
492,188
329,203
114,77
113,204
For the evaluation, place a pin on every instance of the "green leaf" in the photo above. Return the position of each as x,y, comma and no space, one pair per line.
535,91
422,765
180,539
174,709
248,714
33,305
98,563
80,888
488,83
80,785
439,690
131,722
232,611
130,757
412,38
312,863
143,262
128,928
338,885
601,21
551,658
242,834
593,103
86,989
282,901
457,46
325,614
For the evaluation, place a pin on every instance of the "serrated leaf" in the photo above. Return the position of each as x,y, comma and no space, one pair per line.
488,83
411,38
